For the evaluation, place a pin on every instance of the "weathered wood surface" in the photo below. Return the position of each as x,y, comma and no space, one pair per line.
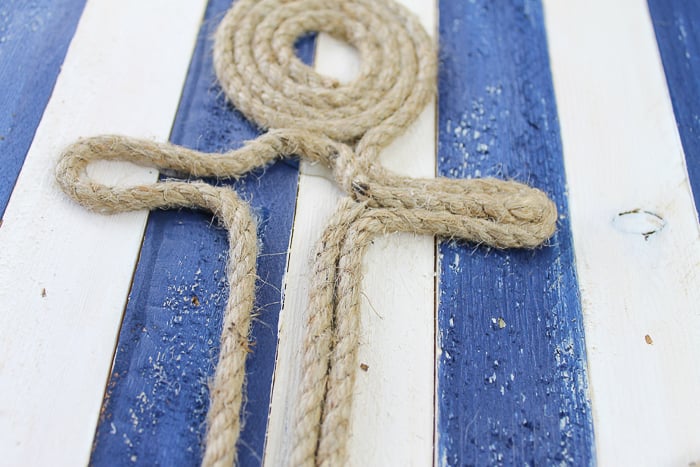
635,231
475,357
64,272
512,366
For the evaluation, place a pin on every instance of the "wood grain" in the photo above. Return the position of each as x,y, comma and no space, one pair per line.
512,384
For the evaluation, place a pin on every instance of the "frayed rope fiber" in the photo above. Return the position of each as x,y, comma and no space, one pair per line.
344,126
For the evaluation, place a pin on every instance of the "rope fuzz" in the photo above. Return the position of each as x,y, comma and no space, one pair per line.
343,126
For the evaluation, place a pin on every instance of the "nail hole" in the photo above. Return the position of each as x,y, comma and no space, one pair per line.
640,222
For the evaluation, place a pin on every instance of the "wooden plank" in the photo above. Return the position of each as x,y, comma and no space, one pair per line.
634,228
34,37
677,27
64,280
393,401
157,396
512,361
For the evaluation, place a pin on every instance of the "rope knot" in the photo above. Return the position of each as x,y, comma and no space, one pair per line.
349,172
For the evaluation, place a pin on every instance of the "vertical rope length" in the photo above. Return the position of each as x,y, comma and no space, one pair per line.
343,126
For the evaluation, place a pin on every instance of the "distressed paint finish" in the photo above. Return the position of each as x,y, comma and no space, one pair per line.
156,402
635,229
677,27
65,272
512,384
34,37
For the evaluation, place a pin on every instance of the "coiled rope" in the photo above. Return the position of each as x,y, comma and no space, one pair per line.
343,126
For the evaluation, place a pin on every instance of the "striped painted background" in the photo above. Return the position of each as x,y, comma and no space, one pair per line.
584,352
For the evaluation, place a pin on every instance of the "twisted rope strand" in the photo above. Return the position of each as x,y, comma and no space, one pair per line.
343,126
320,333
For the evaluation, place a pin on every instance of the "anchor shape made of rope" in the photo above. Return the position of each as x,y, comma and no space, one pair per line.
343,126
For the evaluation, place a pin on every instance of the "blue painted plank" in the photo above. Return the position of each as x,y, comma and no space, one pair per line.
677,27
512,383
157,397
34,38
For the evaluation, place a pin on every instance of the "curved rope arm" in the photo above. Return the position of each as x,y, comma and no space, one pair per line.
502,214
509,214
223,417
71,176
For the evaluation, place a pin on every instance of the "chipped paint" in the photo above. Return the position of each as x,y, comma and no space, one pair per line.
512,386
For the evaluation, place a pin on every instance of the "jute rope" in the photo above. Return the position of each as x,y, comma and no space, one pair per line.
343,126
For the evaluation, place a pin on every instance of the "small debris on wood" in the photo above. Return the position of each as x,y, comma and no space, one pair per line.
648,339
364,366
499,322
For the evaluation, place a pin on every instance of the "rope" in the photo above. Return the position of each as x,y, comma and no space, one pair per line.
343,126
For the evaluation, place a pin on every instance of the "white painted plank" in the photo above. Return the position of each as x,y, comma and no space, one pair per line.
623,153
65,272
393,404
